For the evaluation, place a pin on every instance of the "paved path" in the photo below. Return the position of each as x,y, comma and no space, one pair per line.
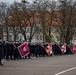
40,66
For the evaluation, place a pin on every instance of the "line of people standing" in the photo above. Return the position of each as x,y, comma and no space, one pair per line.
9,50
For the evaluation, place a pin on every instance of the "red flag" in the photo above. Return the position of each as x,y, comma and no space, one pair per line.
63,48
73,49
49,49
23,49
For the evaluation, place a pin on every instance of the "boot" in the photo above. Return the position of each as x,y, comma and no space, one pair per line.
0,62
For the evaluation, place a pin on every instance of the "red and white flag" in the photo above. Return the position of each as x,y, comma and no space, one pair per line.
23,49
73,49
63,48
49,49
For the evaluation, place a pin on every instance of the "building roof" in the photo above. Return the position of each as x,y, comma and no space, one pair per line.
32,18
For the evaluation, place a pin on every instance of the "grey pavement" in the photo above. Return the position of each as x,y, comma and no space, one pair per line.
40,66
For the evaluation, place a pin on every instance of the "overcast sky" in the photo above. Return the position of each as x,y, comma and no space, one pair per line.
11,1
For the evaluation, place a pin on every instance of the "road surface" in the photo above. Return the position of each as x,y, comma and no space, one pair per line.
54,65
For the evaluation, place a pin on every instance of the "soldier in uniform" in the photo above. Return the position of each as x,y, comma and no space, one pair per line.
7,50
1,51
36,50
56,49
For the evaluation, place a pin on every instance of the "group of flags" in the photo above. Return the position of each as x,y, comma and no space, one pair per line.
24,49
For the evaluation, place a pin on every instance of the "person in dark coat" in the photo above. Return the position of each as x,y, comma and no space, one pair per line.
36,50
7,50
68,51
56,49
1,51
29,55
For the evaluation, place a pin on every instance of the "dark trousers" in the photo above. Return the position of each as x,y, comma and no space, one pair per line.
0,60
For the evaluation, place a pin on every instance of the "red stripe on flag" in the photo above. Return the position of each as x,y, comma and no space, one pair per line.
49,49
73,49
63,48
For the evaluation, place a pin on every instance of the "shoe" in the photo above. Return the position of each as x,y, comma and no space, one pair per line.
29,58
7,59
1,64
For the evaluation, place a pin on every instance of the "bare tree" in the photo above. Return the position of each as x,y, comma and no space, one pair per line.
33,20
46,14
66,18
51,17
4,13
15,19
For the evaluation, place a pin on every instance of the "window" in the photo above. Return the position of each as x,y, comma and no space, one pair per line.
10,37
28,37
20,38
10,30
17,37
28,29
41,37
37,37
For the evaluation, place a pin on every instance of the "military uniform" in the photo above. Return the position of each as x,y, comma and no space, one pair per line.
1,52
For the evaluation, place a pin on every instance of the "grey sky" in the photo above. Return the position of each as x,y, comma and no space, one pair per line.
11,1
8,1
